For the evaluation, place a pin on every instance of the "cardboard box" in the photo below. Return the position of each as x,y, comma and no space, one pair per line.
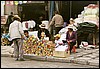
61,54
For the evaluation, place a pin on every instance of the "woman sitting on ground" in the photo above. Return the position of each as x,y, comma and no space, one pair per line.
71,37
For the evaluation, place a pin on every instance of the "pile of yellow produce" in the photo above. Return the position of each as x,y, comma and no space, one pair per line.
38,47
4,42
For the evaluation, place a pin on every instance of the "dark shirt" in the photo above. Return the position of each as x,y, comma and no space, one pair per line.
37,25
73,37
9,19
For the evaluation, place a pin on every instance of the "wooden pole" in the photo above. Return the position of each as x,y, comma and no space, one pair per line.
94,39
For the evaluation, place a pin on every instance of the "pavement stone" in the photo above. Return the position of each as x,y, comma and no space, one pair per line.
94,50
95,54
70,57
74,55
82,57
79,50
51,59
82,62
77,61
66,60
93,62
79,55
97,49
88,51
91,56
6,55
97,58
58,59
84,53
34,57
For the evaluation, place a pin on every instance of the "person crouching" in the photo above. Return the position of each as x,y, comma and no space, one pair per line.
71,37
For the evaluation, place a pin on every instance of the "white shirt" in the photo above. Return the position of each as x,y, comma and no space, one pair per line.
23,24
16,30
31,23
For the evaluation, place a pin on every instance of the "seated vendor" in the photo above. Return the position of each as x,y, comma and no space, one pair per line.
26,33
59,44
71,21
71,37
57,40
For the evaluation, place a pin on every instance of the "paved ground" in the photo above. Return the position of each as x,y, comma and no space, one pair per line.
84,57
8,62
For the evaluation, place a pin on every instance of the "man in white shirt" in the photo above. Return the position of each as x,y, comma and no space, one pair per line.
17,35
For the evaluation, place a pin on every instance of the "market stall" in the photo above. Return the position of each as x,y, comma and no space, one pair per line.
45,47
38,47
88,21
86,25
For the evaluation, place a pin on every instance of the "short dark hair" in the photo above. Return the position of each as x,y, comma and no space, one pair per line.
11,13
56,12
70,29
25,31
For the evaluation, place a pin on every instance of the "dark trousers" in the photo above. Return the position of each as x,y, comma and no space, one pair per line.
18,48
57,29
71,45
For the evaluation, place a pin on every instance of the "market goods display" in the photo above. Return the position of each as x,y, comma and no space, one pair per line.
61,54
4,42
91,14
91,9
86,27
27,44
38,47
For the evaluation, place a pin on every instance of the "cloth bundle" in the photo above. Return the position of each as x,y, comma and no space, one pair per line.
91,9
